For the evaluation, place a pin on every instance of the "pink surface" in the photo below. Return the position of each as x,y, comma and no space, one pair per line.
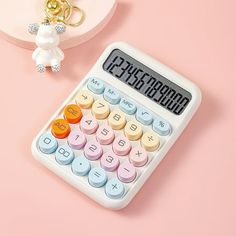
193,191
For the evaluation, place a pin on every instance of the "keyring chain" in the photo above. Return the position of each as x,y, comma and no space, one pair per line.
58,15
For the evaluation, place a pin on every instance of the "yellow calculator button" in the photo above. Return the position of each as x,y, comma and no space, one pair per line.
117,119
60,128
84,99
133,130
100,109
150,141
73,113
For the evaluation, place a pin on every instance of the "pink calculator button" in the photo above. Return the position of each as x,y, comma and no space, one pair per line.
93,150
88,124
105,134
126,172
76,139
138,156
121,146
110,161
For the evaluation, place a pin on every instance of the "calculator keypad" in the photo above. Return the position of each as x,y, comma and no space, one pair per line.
106,137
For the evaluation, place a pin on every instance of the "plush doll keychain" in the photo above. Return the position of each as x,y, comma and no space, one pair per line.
57,17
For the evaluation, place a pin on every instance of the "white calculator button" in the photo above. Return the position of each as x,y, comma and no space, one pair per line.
84,99
117,119
133,130
100,109
150,141
161,126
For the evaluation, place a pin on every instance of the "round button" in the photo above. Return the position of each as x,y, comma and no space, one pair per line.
100,109
88,124
72,113
97,177
121,146
80,166
126,172
111,95
93,150
76,139
150,141
161,126
64,155
84,99
144,116
133,130
117,120
110,161
138,156
105,135
47,143
114,189
95,85
60,128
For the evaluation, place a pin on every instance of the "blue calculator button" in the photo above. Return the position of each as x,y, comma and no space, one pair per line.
64,155
161,126
80,166
97,177
144,116
114,189
127,106
95,85
47,143
111,95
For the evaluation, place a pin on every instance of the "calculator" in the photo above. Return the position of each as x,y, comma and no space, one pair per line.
113,130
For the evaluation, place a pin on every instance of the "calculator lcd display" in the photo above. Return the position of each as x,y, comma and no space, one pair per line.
148,82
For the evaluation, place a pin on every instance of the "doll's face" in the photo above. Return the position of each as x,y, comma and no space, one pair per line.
47,37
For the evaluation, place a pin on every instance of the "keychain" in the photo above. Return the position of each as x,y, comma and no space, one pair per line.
57,16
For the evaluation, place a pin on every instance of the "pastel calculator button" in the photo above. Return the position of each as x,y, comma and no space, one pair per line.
72,113
117,119
144,116
47,143
64,155
93,150
76,139
133,130
150,141
84,99
121,146
97,177
80,166
89,124
100,109
126,172
138,156
60,128
114,189
161,126
110,161
95,85
105,135
127,106
111,95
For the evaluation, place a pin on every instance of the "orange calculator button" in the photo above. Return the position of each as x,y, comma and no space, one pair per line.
73,113
60,128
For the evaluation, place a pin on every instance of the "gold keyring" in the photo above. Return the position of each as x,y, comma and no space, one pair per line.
61,11
81,20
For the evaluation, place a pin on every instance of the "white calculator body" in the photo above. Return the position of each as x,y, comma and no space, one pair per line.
113,130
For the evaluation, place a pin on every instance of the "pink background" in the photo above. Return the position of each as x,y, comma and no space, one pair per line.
193,191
